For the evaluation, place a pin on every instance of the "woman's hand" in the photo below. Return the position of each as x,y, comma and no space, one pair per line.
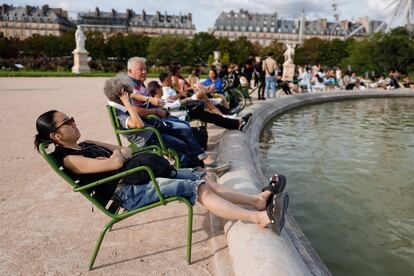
126,152
117,158
124,97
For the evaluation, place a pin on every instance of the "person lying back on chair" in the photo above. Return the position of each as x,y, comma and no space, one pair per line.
89,161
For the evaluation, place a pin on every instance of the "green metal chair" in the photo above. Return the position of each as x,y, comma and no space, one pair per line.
111,208
160,149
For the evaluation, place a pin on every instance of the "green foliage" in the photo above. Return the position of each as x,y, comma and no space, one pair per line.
167,49
225,58
277,48
311,52
383,52
379,52
203,44
241,50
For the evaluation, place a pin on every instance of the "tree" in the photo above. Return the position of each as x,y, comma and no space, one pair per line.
203,44
277,48
137,45
310,51
95,44
166,49
241,50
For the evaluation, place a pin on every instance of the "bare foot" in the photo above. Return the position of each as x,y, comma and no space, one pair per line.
263,219
261,199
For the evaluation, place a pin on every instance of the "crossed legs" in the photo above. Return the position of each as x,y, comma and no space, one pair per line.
222,201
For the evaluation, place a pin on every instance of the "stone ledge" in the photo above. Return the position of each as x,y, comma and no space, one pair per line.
256,251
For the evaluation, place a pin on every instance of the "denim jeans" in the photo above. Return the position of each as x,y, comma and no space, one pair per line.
184,183
270,84
178,135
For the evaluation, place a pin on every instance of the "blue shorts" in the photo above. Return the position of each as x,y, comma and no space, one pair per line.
183,182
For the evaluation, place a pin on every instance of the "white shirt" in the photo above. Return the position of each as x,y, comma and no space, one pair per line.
168,92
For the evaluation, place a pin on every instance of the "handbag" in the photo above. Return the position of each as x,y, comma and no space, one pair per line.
158,164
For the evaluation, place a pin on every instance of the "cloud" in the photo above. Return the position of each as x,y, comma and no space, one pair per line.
205,12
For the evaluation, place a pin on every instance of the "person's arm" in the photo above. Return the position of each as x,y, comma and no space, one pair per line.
152,100
83,165
134,120
150,111
126,151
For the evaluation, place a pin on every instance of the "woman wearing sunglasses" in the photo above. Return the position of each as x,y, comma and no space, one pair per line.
90,161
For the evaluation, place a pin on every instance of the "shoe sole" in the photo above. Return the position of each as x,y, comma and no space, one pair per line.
280,206
281,182
246,125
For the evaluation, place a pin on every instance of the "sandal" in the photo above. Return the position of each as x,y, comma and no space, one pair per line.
276,212
277,185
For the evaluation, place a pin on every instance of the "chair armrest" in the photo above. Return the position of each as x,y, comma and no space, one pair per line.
134,130
120,175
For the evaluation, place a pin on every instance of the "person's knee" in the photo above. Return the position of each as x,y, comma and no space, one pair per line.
203,192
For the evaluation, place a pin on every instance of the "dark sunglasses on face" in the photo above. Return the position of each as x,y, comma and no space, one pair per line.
68,121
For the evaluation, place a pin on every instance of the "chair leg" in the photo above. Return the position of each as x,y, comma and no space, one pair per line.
117,212
99,242
189,231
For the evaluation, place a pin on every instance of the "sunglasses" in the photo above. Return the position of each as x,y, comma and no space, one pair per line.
68,121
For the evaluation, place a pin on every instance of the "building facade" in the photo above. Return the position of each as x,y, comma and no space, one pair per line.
264,28
23,22
158,24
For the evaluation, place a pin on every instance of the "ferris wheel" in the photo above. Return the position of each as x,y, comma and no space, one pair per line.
401,10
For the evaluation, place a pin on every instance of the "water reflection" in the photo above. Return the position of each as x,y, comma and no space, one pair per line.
351,177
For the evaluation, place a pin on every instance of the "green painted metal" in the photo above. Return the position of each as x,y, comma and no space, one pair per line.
114,211
160,149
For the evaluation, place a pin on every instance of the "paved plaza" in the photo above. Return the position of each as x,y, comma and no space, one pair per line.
48,229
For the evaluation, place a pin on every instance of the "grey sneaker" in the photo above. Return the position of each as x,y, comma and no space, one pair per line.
218,169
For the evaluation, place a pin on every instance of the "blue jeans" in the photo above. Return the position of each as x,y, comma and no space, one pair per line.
177,134
270,84
183,182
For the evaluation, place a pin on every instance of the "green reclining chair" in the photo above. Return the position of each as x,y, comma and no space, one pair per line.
160,149
113,209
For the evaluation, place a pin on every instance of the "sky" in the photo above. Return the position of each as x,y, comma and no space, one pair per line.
205,12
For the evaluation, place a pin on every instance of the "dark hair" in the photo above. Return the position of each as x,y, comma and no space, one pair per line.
152,87
215,71
270,54
163,76
196,71
45,125
175,68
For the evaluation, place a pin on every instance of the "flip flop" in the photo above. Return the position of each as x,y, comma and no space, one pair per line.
276,212
277,185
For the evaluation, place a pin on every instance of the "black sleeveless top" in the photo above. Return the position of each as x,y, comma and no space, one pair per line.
89,150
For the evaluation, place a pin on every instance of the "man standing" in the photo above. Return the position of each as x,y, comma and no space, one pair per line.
269,67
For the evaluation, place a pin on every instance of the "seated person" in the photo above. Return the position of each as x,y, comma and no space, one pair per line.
198,112
213,87
169,94
90,161
143,103
194,77
176,134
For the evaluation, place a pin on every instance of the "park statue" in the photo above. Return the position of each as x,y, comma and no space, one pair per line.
288,65
289,53
80,39
80,55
